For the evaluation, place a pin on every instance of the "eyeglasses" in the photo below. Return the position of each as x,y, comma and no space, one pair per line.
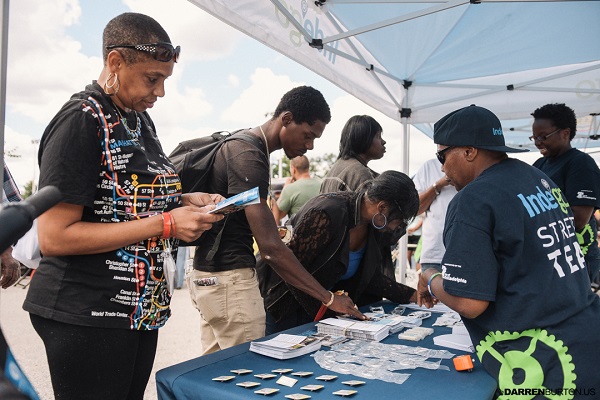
441,155
161,51
543,137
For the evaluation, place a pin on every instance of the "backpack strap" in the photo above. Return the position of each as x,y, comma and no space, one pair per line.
258,143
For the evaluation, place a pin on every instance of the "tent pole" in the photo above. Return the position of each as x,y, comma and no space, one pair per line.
401,260
3,56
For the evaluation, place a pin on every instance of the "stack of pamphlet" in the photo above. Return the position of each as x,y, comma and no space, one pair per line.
354,329
284,346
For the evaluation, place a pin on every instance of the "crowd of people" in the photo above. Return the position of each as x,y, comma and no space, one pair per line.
511,247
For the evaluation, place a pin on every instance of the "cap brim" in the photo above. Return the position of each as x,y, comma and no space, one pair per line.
504,149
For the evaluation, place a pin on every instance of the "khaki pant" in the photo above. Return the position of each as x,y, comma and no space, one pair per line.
232,311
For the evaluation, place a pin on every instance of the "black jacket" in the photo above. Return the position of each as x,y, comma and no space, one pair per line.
320,241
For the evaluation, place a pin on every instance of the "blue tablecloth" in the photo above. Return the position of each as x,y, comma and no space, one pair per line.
193,379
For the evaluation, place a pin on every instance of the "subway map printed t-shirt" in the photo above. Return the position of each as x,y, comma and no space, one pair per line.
117,175
510,240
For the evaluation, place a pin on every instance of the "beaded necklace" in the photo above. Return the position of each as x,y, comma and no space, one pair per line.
136,133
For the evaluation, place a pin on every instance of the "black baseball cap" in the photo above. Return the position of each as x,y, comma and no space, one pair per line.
472,126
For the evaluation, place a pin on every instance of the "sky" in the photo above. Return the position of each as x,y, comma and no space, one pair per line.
224,80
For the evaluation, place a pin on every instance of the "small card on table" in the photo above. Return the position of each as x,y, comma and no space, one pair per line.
353,383
248,384
265,376
240,371
266,391
345,392
223,378
297,396
286,381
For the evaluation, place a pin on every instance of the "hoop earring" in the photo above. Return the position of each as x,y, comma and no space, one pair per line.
115,86
379,226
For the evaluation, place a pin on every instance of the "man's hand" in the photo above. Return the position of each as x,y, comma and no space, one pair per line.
10,270
200,199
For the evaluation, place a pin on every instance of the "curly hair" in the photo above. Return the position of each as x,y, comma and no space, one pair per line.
132,29
561,116
397,190
357,135
306,104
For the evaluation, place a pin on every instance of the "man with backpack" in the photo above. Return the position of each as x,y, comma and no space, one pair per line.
223,285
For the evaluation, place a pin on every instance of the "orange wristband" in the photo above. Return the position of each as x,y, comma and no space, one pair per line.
166,216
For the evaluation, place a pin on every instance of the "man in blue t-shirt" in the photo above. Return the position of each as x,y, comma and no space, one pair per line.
575,172
513,268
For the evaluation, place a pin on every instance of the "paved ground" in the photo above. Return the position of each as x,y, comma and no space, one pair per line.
178,341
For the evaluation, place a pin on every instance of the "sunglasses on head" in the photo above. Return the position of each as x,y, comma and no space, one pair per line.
161,51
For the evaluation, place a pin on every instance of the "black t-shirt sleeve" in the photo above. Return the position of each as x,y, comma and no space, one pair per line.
582,182
247,167
470,268
71,156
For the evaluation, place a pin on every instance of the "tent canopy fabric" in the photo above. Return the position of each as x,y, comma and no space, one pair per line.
419,60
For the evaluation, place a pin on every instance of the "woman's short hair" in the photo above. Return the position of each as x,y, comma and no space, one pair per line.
561,116
131,29
306,104
398,191
357,136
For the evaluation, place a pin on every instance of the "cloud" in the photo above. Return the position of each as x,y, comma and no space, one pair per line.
256,102
233,80
200,35
44,64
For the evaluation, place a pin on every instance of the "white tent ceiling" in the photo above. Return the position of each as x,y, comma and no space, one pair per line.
423,59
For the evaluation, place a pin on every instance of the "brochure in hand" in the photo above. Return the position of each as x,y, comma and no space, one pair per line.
284,346
237,202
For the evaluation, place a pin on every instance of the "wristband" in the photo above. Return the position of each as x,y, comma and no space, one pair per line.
167,219
330,302
435,189
429,284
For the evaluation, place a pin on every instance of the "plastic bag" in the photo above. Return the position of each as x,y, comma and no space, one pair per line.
170,269
27,249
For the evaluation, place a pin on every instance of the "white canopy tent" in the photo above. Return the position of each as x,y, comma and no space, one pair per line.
416,61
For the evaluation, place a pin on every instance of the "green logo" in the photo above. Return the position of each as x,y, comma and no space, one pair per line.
513,361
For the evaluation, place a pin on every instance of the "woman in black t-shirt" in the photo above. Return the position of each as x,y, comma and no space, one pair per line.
100,293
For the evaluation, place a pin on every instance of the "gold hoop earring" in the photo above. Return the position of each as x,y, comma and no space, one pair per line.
379,226
115,86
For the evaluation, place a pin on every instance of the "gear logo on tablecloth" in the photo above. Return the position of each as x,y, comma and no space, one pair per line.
520,372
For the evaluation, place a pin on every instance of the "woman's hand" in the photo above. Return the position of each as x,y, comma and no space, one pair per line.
424,298
192,221
343,304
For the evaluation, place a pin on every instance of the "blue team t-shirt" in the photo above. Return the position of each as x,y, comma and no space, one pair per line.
510,240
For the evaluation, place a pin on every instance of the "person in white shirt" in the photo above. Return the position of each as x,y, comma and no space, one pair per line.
435,194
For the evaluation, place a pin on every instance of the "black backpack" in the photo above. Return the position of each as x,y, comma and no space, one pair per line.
193,159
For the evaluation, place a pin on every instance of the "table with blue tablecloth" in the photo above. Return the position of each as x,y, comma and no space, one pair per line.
193,379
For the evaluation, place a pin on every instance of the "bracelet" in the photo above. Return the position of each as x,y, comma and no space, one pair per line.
330,302
435,189
429,284
166,217
173,230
